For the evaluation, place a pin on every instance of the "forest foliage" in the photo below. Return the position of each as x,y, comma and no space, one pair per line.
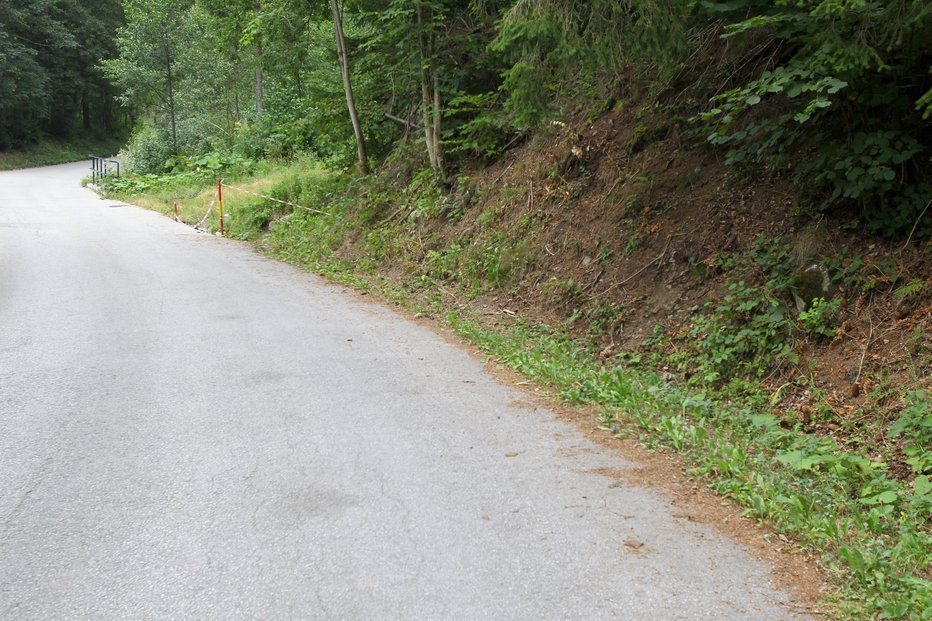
838,91
50,83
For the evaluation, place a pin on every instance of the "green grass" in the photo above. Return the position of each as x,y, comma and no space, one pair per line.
50,152
246,216
871,531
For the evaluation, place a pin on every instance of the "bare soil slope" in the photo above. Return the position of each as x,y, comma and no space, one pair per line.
624,227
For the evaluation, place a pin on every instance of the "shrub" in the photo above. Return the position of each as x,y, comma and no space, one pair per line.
845,98
821,318
148,150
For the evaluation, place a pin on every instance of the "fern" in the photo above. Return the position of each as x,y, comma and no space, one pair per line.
913,287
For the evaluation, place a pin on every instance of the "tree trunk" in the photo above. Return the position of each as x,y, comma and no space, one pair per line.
426,99
260,91
438,148
430,92
171,103
363,162
260,95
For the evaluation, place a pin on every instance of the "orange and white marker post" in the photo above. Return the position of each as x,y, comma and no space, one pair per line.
220,202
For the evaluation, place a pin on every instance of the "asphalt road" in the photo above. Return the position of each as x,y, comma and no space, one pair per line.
191,430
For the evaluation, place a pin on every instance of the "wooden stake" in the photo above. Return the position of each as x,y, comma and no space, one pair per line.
220,202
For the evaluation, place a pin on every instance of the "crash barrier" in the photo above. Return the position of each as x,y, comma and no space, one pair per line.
102,167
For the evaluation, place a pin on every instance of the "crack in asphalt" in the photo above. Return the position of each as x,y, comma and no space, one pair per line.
19,507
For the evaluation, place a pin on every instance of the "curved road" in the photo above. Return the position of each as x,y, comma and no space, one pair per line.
191,430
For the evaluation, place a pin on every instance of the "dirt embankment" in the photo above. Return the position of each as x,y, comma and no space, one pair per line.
623,228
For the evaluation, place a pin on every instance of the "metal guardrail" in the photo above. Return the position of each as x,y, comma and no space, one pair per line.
102,167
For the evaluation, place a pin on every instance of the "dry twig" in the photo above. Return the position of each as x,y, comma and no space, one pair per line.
867,344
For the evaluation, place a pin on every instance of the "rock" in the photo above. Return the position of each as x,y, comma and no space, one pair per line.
811,283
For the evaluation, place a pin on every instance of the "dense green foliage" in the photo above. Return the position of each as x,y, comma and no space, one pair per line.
848,95
49,83
838,92
561,49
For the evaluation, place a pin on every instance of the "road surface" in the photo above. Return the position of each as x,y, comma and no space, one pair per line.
191,430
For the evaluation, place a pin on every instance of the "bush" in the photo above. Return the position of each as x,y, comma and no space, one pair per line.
148,150
845,98
210,164
915,427
821,318
746,333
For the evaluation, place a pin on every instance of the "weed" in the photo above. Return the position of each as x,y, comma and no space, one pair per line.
821,318
565,293
444,265
424,196
654,342
494,260
604,319
911,289
915,427
486,217
746,333
605,253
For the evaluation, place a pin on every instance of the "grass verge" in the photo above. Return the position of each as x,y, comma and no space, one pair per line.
50,152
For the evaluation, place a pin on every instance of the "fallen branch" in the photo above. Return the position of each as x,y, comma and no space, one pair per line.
908,239
867,344
402,121
395,213
651,262
631,277
504,172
